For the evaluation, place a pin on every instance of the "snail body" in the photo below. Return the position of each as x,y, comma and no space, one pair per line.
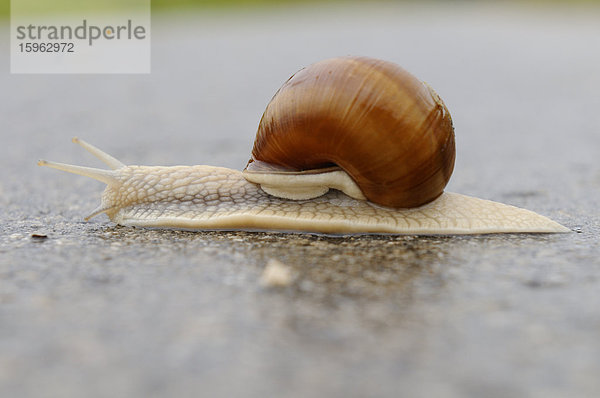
208,197
347,145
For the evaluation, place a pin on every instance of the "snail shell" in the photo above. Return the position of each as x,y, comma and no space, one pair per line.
390,132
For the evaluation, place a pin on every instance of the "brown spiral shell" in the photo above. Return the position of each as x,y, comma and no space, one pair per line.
389,131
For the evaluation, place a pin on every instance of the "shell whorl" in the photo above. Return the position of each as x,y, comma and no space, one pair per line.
389,131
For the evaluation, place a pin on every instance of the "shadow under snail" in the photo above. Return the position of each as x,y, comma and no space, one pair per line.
346,145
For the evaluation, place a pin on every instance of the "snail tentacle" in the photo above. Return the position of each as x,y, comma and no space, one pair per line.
109,160
106,176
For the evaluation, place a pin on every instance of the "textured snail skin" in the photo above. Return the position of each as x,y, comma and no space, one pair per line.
384,127
207,197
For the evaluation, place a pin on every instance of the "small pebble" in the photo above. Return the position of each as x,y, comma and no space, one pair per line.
276,274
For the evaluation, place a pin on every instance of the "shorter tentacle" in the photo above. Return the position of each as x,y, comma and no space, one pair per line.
102,208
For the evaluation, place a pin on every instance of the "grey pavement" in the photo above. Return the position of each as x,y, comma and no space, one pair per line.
98,310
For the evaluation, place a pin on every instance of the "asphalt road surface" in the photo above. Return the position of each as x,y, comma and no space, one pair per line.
97,310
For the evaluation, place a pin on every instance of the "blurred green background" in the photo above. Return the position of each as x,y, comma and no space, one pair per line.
175,5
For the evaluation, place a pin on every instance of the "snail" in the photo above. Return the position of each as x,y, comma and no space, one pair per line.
346,145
